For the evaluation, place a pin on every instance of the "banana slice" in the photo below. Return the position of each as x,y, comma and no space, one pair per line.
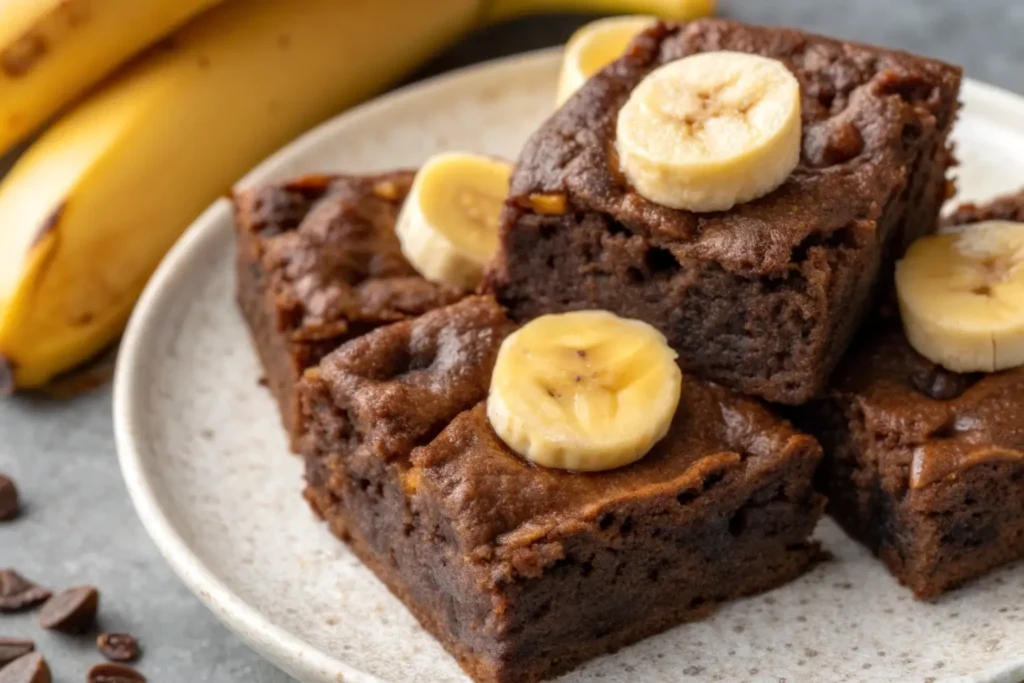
962,297
710,131
594,47
584,391
448,226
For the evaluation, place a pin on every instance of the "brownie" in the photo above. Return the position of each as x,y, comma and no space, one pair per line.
763,298
923,465
318,264
523,572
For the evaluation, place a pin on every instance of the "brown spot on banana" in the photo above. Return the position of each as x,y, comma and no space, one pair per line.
74,12
21,56
50,224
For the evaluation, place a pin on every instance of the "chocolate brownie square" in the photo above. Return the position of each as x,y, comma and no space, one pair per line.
923,465
763,298
318,264
520,571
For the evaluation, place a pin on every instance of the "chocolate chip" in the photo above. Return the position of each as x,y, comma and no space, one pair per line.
8,499
72,611
13,648
114,673
31,668
18,593
935,381
118,647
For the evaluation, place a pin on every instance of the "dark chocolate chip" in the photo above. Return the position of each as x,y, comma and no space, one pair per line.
8,499
118,647
18,593
114,673
30,668
941,384
14,648
72,611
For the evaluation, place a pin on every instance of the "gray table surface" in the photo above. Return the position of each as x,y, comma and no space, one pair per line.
79,525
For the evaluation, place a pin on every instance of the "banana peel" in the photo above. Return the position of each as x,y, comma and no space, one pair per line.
676,10
52,50
88,212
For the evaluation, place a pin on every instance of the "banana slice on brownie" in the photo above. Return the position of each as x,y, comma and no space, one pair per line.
710,131
448,226
586,390
961,297
595,46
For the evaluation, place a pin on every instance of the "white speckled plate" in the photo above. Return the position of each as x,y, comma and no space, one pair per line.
206,463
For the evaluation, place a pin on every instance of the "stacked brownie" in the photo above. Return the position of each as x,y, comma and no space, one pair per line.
763,298
923,465
523,572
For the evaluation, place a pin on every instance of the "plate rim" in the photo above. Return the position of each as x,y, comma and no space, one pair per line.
286,651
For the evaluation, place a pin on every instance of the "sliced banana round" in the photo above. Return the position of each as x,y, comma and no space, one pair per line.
961,297
709,131
584,391
595,46
448,226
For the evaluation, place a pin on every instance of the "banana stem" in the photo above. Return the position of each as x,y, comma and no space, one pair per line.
501,10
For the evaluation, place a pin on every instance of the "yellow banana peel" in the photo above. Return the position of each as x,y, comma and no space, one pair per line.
678,10
52,50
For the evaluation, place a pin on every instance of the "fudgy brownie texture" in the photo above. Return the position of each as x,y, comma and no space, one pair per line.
923,465
763,298
318,264
523,572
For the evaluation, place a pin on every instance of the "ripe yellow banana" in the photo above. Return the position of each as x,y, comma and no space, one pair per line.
448,226
89,211
594,47
712,130
961,297
52,50
585,390
679,10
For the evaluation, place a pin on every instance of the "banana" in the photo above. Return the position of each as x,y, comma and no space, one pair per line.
584,391
90,209
594,47
712,130
961,297
52,50
678,10
448,226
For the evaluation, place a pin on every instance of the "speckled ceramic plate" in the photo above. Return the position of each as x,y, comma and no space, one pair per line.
205,458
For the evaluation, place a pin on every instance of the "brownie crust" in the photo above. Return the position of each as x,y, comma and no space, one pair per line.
499,559
318,264
763,298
